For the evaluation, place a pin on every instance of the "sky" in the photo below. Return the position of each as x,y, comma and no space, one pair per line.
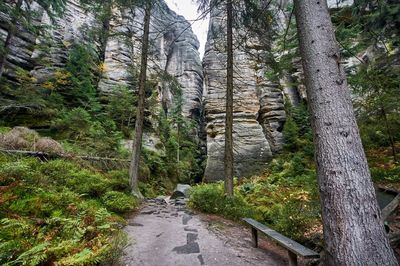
188,9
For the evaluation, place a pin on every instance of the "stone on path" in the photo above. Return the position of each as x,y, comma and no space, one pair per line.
181,191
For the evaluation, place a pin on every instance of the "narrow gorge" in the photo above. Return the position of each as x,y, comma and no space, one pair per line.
259,102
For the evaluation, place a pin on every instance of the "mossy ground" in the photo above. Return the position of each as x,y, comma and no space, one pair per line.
59,212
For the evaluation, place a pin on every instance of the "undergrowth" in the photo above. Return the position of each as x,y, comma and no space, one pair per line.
58,213
285,197
287,203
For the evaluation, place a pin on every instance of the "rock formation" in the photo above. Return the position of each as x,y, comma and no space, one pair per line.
174,49
258,104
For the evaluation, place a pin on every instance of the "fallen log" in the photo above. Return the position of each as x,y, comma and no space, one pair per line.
390,207
63,155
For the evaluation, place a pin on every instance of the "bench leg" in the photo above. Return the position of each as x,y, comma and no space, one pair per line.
292,258
254,236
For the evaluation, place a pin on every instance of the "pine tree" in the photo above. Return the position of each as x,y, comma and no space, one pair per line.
353,231
204,6
137,143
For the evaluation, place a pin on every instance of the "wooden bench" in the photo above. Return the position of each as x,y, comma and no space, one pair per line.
294,249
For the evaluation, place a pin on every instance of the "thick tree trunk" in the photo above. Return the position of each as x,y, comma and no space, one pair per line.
137,143
353,231
228,160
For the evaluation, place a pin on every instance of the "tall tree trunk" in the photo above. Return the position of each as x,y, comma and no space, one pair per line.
10,35
137,143
353,231
228,160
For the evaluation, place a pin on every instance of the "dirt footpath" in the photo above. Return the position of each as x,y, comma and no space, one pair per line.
168,234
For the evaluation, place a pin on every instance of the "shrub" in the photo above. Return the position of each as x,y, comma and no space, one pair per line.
73,124
210,198
119,180
286,202
119,202
383,174
88,183
97,135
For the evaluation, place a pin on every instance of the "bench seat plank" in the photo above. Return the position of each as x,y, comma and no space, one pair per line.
282,240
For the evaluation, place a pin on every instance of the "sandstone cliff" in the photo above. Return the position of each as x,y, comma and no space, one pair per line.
258,104
174,49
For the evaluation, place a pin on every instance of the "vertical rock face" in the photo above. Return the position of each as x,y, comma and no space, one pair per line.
258,104
53,48
21,47
174,49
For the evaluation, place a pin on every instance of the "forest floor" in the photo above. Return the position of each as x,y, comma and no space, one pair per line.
168,233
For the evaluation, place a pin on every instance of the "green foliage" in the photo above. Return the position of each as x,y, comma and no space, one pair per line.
24,12
210,198
118,180
98,136
291,134
378,16
391,175
285,197
80,91
118,202
373,26
121,108
21,103
182,154
378,86
4,130
153,172
297,130
74,124
57,212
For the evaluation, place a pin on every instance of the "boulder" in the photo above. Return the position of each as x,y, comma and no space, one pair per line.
181,191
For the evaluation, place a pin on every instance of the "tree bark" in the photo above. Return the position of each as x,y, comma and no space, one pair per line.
228,160
137,143
10,35
353,231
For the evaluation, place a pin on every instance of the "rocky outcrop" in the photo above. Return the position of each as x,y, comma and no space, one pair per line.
21,47
54,45
258,104
174,49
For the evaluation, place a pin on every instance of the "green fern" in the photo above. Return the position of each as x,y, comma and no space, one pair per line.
31,257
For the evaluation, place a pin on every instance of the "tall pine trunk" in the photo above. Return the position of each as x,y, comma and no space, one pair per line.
353,231
7,43
137,142
228,160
